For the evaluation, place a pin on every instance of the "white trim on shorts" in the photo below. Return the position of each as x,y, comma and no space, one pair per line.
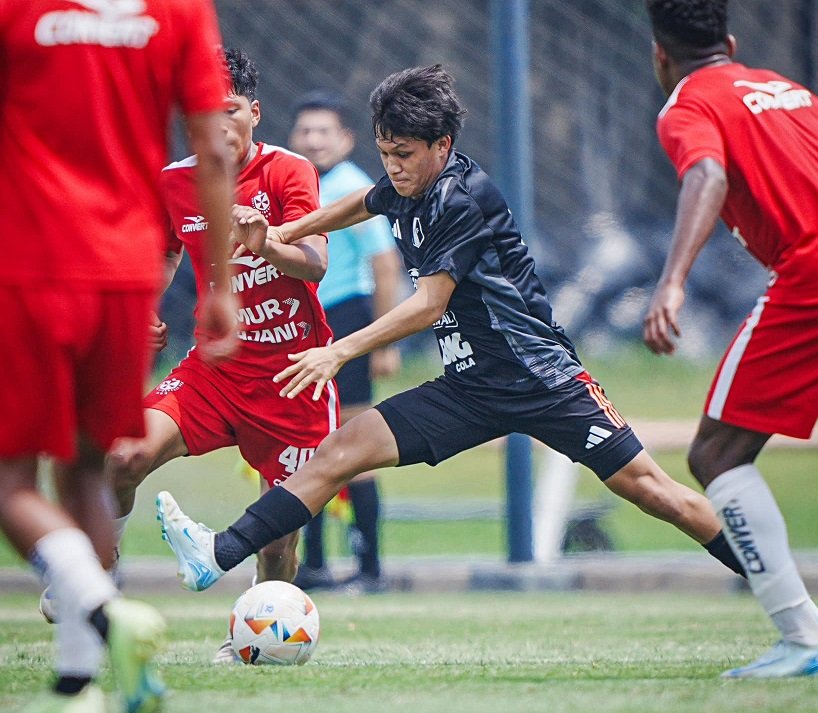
732,360
331,406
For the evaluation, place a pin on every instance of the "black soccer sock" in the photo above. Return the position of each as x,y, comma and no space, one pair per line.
314,542
276,513
720,549
99,620
366,505
71,685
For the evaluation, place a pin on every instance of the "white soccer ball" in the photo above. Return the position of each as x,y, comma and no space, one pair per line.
274,623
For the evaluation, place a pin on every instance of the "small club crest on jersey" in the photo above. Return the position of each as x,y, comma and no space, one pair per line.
261,201
417,233
169,385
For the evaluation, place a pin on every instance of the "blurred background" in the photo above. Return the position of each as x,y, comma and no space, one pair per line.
604,192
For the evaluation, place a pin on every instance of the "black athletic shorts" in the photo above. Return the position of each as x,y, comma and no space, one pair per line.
435,421
353,380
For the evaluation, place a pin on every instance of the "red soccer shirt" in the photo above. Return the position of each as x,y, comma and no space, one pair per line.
763,129
279,315
86,91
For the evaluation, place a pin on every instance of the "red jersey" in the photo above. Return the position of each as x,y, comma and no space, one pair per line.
763,129
86,91
279,315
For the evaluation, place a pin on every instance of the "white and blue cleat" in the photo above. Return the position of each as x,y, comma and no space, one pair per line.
783,660
191,542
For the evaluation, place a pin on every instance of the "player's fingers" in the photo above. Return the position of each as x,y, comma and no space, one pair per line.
295,387
287,373
240,250
298,356
319,387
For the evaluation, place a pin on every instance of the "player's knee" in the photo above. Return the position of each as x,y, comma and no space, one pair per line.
657,498
129,463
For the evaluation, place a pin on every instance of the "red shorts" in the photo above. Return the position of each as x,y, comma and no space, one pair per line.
215,408
73,361
768,378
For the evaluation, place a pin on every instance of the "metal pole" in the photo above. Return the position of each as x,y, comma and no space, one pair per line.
513,174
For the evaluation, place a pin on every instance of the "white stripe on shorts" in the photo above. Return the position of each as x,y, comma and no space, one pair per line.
331,402
732,360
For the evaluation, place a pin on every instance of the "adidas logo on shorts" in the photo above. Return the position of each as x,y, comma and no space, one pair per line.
595,436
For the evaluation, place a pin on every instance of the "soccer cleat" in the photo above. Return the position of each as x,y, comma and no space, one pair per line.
226,655
135,634
191,542
308,578
783,660
359,584
89,700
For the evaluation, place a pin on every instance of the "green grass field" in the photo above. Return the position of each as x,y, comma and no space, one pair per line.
480,653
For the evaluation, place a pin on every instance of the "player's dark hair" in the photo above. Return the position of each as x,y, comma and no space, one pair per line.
417,103
323,100
243,73
687,27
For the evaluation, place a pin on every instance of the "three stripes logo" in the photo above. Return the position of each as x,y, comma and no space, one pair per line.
595,436
598,395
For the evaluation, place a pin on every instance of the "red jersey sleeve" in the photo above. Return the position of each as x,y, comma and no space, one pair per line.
298,188
688,136
203,74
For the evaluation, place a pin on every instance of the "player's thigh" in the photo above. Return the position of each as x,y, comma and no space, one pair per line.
277,435
200,403
111,371
578,420
71,358
435,421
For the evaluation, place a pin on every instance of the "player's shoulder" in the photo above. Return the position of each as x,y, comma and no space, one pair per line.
177,174
461,186
188,164
272,155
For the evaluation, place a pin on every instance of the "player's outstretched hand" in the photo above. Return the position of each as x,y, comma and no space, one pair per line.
314,366
662,319
157,333
218,326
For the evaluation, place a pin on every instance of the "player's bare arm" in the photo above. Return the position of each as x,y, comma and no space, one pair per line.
214,182
305,259
346,211
157,329
320,364
702,195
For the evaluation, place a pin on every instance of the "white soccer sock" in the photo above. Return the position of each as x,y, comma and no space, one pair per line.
756,531
67,563
119,528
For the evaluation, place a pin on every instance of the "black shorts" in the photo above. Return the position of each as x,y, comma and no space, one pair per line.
435,421
353,380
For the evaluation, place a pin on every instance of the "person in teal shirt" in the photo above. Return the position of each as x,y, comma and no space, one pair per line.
362,283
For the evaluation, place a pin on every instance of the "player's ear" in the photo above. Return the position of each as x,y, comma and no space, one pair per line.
444,143
732,44
255,112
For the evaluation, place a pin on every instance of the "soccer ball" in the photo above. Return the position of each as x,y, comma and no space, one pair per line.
274,623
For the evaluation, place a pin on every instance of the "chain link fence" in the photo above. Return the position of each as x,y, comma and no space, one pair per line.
604,194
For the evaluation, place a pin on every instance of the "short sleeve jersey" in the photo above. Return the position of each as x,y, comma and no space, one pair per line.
497,335
763,129
349,273
86,93
278,314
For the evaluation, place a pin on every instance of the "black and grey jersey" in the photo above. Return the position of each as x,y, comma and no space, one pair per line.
497,333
